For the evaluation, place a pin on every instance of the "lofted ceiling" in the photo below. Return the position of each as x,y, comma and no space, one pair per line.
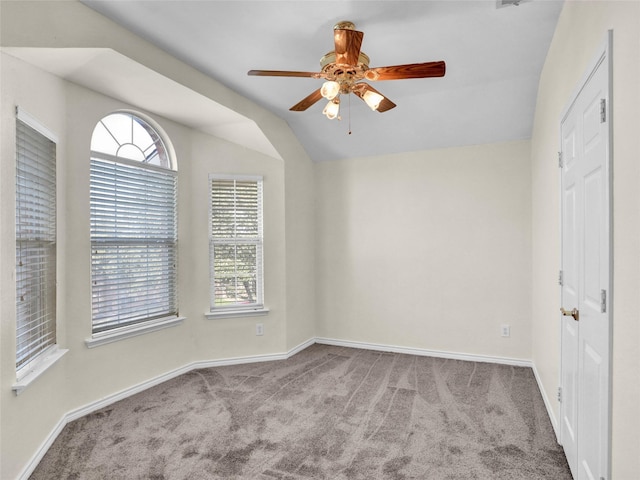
494,58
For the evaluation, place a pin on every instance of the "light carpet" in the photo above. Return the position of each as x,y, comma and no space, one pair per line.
326,413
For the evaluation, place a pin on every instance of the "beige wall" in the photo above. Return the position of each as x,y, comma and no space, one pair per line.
428,250
17,447
300,235
580,33
231,337
85,376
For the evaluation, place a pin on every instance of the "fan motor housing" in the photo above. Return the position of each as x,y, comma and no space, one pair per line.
330,58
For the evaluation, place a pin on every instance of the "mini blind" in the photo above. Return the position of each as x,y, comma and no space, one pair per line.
35,244
133,242
236,242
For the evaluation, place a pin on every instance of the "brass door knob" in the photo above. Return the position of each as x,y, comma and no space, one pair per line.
573,313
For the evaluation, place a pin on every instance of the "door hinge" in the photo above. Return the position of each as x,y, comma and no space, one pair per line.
560,278
603,301
603,110
560,394
560,159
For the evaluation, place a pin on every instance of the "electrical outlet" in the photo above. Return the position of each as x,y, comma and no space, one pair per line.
505,330
259,329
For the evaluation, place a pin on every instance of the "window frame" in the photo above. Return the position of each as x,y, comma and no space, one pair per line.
237,309
42,234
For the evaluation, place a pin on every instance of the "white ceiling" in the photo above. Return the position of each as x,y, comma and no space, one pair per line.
494,59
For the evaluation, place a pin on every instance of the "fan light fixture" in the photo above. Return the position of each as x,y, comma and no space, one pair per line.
330,90
332,109
372,99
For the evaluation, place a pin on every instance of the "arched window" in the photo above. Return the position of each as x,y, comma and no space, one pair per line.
133,225
126,136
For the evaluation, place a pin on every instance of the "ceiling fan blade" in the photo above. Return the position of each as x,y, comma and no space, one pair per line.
283,73
385,103
411,70
347,46
307,102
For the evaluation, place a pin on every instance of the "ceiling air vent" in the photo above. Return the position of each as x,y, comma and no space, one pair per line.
509,3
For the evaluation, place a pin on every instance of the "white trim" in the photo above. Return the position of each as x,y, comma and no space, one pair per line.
426,353
233,313
238,360
26,117
301,347
603,54
37,368
132,331
132,163
127,392
547,404
240,178
108,400
252,358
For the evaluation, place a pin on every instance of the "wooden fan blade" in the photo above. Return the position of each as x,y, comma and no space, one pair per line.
385,103
283,73
347,46
307,102
411,70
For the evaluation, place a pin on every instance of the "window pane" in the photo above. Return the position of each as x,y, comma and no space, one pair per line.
126,136
225,275
235,268
247,209
132,283
223,209
103,141
119,125
246,267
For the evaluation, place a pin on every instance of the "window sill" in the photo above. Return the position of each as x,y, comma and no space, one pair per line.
132,331
48,359
232,313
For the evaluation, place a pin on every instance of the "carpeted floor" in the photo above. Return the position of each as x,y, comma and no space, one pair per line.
326,413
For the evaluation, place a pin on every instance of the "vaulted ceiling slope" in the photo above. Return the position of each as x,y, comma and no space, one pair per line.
494,58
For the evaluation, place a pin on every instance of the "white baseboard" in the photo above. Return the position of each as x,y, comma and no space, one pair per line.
301,347
108,400
425,353
547,403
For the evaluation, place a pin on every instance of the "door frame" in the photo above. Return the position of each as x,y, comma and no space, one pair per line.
604,55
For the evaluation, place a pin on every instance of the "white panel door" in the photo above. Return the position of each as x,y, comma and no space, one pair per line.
586,284
570,290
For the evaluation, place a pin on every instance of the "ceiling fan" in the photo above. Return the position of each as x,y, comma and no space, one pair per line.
344,70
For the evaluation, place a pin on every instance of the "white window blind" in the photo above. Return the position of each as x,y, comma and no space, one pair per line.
35,244
133,241
236,242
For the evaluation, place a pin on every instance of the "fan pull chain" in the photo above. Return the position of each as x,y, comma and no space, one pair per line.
349,113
